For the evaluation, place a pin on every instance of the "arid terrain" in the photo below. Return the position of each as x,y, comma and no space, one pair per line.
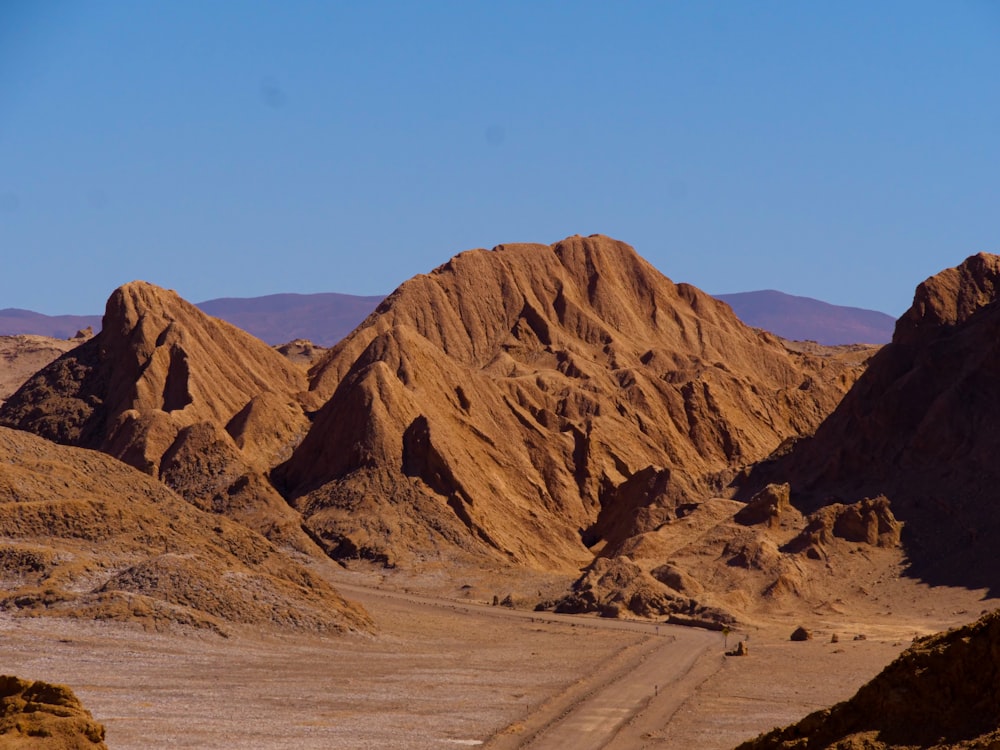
24,355
444,672
531,501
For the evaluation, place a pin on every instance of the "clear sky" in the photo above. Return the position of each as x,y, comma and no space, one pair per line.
837,150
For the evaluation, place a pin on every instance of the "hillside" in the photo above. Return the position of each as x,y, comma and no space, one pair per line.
940,694
806,319
525,405
917,428
183,397
23,356
87,536
531,406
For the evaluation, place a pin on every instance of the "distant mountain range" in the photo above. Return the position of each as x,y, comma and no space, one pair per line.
276,319
16,322
323,319
807,319
326,318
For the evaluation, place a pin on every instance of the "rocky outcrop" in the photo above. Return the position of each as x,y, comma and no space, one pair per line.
301,352
181,396
45,717
918,428
766,506
800,634
614,587
950,298
942,692
537,404
869,521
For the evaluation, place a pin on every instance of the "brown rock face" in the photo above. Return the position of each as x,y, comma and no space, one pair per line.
180,396
45,717
918,428
868,521
951,297
155,353
87,536
531,402
942,692
615,586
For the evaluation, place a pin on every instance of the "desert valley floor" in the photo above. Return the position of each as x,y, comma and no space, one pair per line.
448,669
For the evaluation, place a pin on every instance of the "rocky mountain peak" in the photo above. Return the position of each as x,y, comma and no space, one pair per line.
951,296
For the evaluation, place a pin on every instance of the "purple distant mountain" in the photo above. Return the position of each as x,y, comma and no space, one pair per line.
323,319
807,319
14,322
326,318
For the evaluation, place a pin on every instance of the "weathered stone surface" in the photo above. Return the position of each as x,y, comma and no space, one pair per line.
45,717
766,506
918,428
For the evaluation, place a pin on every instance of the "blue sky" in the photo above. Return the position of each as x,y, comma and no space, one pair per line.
838,150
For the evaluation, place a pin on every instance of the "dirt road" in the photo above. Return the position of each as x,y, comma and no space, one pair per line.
440,673
640,687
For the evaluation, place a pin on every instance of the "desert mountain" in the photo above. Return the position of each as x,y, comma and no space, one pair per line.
918,428
45,717
186,398
807,319
527,404
326,318
87,536
941,693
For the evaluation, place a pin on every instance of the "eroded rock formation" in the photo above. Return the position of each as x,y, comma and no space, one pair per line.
183,397
918,428
536,404
45,717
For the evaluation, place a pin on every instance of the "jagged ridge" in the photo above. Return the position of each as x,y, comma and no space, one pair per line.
919,428
499,403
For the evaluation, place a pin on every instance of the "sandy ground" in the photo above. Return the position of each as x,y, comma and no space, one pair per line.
445,673
434,677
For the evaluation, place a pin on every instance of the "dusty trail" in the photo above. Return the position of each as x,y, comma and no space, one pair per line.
631,694
441,673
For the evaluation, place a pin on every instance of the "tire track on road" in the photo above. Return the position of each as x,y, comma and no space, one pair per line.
630,697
